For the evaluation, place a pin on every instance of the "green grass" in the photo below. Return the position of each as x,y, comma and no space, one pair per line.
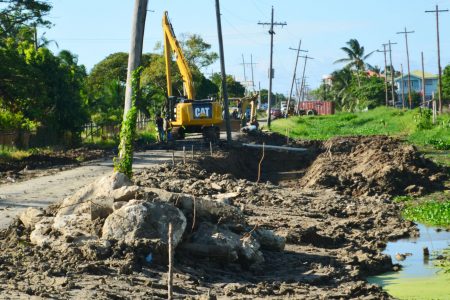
10,153
379,121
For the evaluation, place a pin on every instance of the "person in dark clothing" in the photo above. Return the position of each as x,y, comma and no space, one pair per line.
160,127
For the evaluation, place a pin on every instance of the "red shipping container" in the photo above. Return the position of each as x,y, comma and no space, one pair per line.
319,107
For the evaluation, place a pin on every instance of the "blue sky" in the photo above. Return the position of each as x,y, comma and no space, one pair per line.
93,29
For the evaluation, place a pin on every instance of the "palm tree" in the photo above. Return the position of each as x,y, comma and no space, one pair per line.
355,57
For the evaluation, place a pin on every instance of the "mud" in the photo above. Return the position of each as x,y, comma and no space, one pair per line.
45,163
336,221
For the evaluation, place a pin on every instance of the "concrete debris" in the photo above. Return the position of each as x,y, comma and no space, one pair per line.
31,216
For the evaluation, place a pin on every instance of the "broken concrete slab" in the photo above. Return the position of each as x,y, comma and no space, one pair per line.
139,219
205,209
80,202
31,216
219,242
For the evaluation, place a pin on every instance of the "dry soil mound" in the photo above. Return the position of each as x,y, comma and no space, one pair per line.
373,165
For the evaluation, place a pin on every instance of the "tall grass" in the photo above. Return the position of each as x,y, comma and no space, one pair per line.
379,121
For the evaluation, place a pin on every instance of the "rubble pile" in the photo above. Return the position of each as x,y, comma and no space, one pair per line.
315,237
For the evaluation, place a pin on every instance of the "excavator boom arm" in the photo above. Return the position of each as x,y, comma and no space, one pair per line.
171,44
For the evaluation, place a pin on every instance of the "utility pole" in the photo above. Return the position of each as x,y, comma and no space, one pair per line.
385,74
224,76
137,40
437,11
409,70
423,82
402,86
306,57
271,75
245,75
392,71
253,78
251,67
295,72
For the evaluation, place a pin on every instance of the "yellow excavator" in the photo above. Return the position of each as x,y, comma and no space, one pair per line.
186,114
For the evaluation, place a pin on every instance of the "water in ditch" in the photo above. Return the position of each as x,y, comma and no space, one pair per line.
419,278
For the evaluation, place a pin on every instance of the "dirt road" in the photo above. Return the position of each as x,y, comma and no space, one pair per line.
45,190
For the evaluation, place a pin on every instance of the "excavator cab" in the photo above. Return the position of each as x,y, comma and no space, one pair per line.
186,113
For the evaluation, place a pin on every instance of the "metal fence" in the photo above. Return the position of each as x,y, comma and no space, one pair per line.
108,131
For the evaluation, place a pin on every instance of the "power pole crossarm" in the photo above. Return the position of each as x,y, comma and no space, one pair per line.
437,11
271,32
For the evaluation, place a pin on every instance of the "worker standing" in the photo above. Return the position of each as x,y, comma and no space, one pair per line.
160,127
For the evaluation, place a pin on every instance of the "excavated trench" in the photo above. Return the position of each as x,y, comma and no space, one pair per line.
277,166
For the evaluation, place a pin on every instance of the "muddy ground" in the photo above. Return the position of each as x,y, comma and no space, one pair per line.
47,162
333,204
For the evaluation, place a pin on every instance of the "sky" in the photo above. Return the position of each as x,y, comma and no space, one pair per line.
93,29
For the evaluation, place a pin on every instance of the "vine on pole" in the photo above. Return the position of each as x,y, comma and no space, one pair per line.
124,162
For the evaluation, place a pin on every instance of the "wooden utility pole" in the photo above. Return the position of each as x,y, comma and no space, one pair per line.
385,74
271,75
306,57
437,11
253,78
245,75
423,82
402,86
224,75
137,40
409,70
392,71
294,75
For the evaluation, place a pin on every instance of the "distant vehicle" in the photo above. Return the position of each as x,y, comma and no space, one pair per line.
316,108
276,113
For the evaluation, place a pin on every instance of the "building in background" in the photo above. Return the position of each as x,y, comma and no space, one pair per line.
431,84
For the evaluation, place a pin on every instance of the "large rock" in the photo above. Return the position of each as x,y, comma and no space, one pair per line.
220,243
139,219
99,195
205,209
269,240
31,216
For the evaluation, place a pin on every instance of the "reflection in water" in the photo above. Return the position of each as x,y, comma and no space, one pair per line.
419,278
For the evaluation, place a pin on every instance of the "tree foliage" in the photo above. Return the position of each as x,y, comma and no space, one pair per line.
446,84
18,14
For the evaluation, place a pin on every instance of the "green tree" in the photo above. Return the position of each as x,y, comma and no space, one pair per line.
356,57
197,53
446,84
234,88
17,14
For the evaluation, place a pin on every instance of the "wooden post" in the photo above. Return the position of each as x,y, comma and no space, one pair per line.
170,272
402,83
434,108
210,148
192,151
423,82
260,162
184,154
173,157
